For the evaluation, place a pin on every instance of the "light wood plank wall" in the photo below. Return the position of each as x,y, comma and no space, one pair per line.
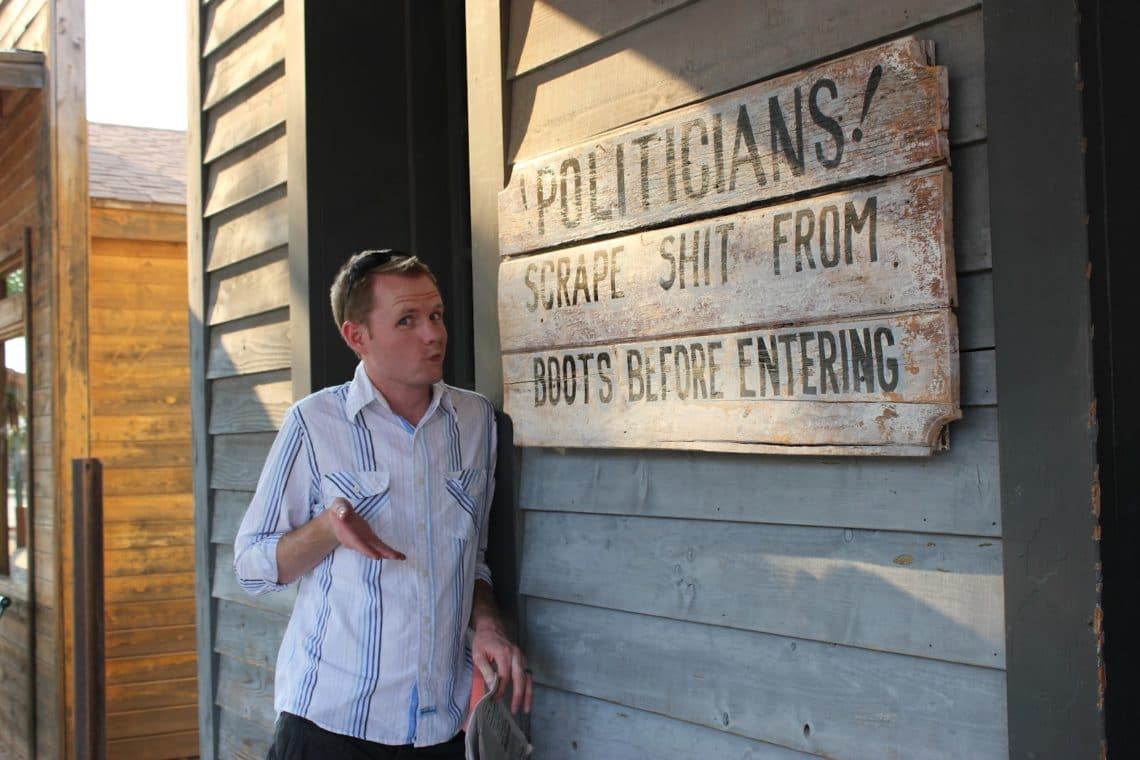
762,606
140,429
243,353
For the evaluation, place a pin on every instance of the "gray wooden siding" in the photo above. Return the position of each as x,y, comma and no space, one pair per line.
680,603
241,351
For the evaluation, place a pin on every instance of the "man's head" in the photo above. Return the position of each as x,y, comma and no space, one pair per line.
350,296
390,314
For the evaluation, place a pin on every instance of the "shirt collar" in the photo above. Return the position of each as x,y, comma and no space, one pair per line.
361,393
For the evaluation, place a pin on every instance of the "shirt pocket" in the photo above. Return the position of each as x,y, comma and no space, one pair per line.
468,492
366,491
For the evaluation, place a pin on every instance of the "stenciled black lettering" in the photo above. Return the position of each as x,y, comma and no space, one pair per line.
663,365
887,366
804,235
827,362
768,362
778,239
686,158
829,215
569,379
670,165
602,256
714,368
854,222
606,392
643,143
633,366
539,371
826,123
723,230
862,360
667,282
530,283
697,352
563,281
597,213
542,201
744,136
745,363
614,269
585,359
782,141
571,163
806,364
554,380
684,388
581,279
786,340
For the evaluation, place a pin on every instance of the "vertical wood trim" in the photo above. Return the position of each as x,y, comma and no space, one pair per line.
297,196
486,123
67,117
1044,377
199,388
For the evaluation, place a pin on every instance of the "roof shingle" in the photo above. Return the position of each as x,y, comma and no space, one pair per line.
137,164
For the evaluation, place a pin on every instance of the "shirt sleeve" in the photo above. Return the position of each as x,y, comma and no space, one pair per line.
482,571
280,504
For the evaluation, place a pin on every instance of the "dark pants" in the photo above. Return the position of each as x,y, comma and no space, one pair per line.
299,739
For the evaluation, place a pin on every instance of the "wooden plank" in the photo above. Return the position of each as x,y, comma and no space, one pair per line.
909,593
560,399
154,722
136,224
247,230
114,320
710,47
541,32
229,509
145,669
971,208
126,535
179,744
121,563
119,264
954,493
567,725
148,613
145,481
19,23
176,691
226,587
251,287
137,588
141,428
246,173
238,459
808,696
140,642
486,143
977,295
257,344
245,690
250,403
875,249
141,294
243,739
253,52
248,634
738,149
223,21
148,508
248,118
979,378
172,399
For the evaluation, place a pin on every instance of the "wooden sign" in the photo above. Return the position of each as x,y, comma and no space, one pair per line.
739,318
871,114
878,248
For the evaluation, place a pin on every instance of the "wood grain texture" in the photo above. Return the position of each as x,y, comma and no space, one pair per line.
697,51
246,173
249,634
252,228
224,20
253,286
247,118
229,509
245,690
566,726
251,53
770,687
250,403
773,139
954,493
242,739
257,344
874,249
710,393
238,459
118,223
542,31
226,587
910,593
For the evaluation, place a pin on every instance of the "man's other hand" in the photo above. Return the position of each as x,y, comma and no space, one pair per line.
494,653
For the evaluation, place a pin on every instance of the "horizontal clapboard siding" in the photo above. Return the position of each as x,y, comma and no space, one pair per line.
754,606
244,368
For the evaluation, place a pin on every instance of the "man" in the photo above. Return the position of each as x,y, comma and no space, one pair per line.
375,497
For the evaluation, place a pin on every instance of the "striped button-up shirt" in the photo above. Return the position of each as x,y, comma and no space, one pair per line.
378,649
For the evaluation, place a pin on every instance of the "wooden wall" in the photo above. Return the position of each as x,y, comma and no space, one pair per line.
24,24
22,160
680,603
140,429
241,344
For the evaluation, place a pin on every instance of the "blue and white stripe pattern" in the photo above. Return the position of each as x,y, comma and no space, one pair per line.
378,649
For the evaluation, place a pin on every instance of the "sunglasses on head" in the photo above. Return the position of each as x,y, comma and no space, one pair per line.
368,261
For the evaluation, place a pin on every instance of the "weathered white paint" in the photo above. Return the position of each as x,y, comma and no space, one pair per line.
792,134
772,389
876,249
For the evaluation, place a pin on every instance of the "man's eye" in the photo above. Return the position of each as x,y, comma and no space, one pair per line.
436,316
404,321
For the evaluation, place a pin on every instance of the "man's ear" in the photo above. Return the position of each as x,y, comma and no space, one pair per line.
353,334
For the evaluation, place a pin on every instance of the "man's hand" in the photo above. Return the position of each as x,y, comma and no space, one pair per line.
352,531
493,652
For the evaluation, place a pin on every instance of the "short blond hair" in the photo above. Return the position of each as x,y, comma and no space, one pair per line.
350,302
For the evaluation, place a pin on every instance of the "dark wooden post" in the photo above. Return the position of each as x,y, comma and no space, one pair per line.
87,515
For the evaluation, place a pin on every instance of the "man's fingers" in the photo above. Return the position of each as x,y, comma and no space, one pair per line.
385,551
519,679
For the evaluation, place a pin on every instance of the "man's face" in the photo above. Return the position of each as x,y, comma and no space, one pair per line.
402,340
